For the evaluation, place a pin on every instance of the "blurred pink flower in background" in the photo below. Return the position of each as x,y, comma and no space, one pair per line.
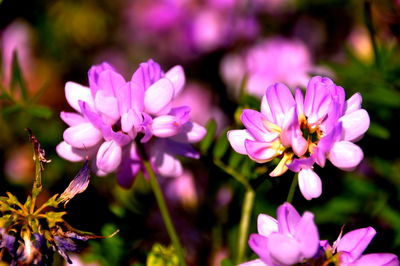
182,189
16,38
271,60
189,28
203,104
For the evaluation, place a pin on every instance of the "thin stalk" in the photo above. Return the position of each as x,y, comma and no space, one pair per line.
247,209
292,189
370,26
164,212
232,172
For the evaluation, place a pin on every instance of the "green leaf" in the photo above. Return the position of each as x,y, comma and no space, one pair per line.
17,78
378,131
221,145
39,111
211,128
227,262
54,217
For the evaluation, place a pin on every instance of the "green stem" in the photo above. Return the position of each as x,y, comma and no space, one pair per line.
164,212
292,189
229,170
244,224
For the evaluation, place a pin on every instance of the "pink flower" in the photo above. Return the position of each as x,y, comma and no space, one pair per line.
112,113
272,60
288,240
303,130
350,247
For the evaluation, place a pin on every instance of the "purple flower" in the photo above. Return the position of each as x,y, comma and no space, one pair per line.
350,247
303,130
112,113
288,240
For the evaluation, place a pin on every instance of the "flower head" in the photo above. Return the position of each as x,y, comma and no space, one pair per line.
303,130
288,240
113,114
350,247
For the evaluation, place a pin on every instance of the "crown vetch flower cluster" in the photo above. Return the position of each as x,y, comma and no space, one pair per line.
294,239
112,113
303,130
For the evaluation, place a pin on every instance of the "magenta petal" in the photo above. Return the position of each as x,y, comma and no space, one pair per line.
256,262
165,126
190,132
166,164
284,249
237,139
177,76
307,235
94,73
129,167
82,136
123,98
109,156
69,153
356,241
310,184
299,98
377,259
345,155
110,82
355,124
158,97
255,123
266,225
72,119
130,120
147,73
280,100
288,218
353,103
259,244
298,164
75,92
291,135
260,151
317,99
108,107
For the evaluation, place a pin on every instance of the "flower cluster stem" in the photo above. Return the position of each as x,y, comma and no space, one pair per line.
292,188
247,209
164,212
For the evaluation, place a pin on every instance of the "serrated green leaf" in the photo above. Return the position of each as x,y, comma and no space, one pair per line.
211,128
221,145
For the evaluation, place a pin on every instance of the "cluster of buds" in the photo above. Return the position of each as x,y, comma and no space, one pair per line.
30,234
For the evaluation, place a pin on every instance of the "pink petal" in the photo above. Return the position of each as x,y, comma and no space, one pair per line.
345,155
279,100
299,98
69,153
284,250
165,126
259,244
109,156
288,218
166,165
255,122
130,120
317,99
190,132
261,152
177,76
75,92
356,241
72,119
237,138
108,106
266,225
355,124
256,262
377,259
110,82
307,235
353,103
82,136
291,135
310,184
158,97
